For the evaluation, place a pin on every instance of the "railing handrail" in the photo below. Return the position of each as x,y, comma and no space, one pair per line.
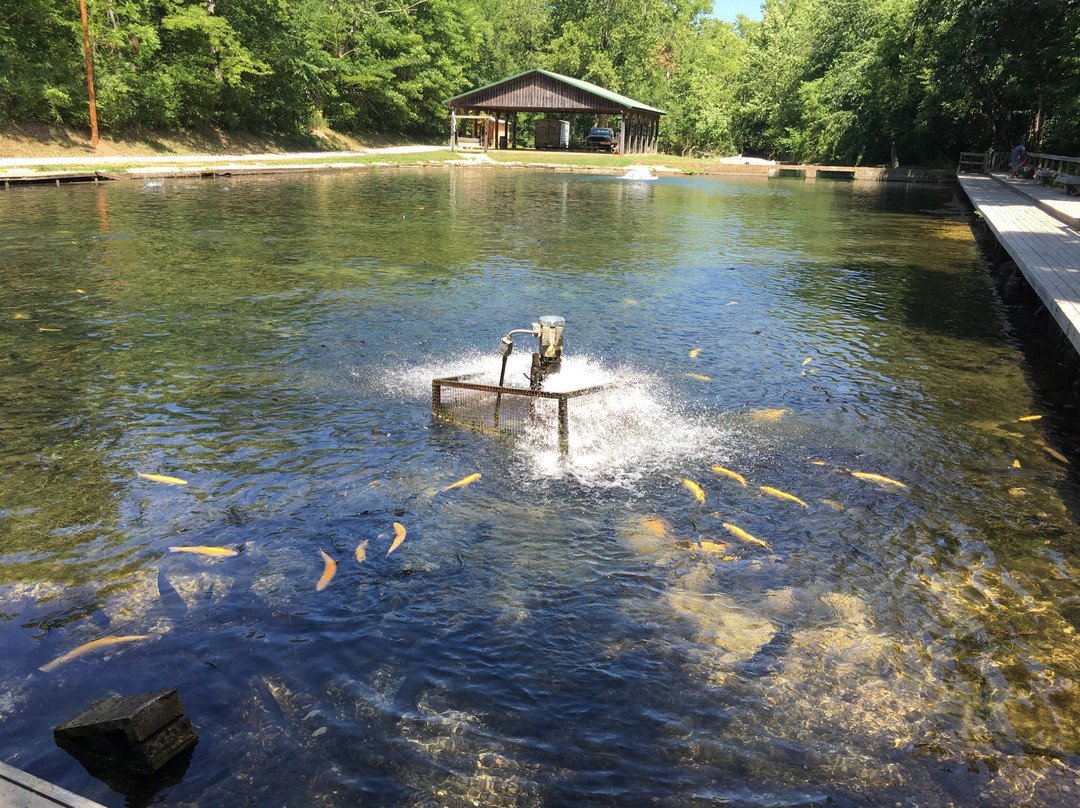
999,160
1063,158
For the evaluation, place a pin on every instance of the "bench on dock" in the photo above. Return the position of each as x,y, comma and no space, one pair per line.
1070,182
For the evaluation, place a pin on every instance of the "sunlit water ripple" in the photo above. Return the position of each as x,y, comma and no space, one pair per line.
573,630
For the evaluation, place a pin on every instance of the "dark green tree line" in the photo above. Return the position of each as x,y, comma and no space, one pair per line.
844,81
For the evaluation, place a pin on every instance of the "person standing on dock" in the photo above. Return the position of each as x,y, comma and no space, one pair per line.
1017,159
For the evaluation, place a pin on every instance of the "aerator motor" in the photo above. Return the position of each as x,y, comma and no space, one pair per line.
548,358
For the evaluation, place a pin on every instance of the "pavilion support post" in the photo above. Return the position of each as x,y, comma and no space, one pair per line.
453,129
622,134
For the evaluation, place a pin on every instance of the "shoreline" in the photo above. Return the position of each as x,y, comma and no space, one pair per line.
68,169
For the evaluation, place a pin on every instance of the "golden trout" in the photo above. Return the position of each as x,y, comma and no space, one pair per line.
361,551
770,415
399,536
701,377
202,549
807,361
162,478
713,546
329,569
696,490
694,353
93,645
1030,418
655,525
464,481
729,473
1054,453
742,535
776,492
877,478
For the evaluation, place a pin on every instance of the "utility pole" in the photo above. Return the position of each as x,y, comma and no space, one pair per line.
89,74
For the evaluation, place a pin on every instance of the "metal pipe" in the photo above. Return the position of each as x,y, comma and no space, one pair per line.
498,396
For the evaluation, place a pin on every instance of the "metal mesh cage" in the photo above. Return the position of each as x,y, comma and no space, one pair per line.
505,410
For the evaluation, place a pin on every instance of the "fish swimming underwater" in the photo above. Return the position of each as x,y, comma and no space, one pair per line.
202,549
696,490
742,535
1054,453
770,415
655,525
464,481
361,551
701,377
399,535
93,645
162,478
329,569
729,473
877,478
694,352
776,492
713,546
1030,418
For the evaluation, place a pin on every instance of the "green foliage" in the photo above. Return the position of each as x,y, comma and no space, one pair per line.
842,81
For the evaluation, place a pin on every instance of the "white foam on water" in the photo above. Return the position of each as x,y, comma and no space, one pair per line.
636,428
638,173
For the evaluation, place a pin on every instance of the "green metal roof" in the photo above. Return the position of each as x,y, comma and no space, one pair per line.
589,87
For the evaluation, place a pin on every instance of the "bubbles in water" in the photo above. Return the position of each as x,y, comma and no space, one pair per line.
617,437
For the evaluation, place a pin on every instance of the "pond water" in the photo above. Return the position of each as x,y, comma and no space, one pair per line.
576,630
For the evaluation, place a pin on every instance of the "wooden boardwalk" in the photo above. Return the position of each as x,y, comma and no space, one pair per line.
21,790
1037,227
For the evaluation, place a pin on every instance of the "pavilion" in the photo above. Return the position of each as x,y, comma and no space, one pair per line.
553,95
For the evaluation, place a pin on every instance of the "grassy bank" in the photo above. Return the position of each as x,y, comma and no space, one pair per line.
43,140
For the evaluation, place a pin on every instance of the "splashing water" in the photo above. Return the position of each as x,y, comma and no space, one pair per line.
618,437
638,173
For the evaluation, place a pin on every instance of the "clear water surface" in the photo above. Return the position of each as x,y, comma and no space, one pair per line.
559,632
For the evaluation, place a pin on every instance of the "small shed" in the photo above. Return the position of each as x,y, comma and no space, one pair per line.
554,95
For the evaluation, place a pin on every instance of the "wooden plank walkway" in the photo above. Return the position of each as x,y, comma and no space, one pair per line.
1046,249
21,790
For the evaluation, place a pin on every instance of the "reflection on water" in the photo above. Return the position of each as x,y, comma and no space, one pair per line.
557,632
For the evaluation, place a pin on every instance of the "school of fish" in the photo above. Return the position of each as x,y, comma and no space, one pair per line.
653,524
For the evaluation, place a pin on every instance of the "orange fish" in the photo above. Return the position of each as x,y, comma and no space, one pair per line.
742,535
713,546
696,490
464,481
776,492
93,645
162,478
877,478
328,572
729,473
213,552
399,536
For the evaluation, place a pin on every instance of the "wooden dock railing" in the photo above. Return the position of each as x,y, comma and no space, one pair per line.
982,162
